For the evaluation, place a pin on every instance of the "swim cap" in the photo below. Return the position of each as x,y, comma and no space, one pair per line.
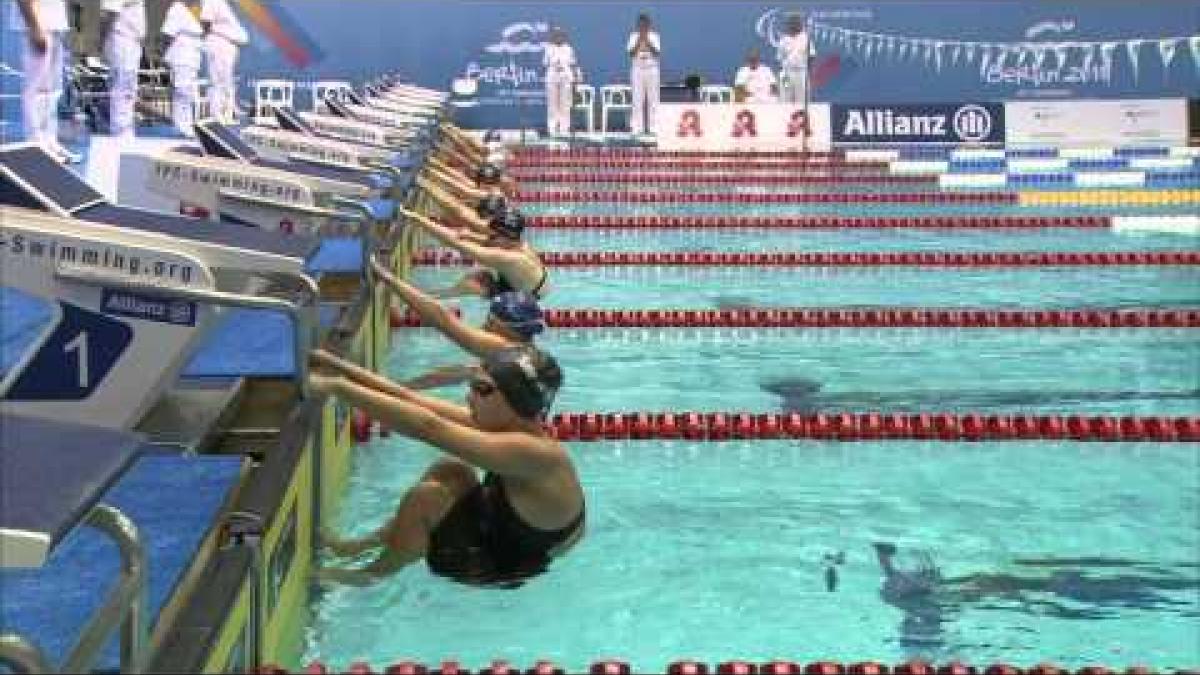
497,158
491,206
519,311
488,173
527,378
509,223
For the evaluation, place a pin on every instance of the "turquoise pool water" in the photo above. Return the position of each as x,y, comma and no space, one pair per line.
1077,553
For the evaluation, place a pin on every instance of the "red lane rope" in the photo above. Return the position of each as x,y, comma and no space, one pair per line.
884,317
846,426
528,151
816,222
677,164
736,667
944,426
840,259
660,197
710,179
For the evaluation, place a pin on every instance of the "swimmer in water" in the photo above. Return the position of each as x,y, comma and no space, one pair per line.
514,320
528,509
506,263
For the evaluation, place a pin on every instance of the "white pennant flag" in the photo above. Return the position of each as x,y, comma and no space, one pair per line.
970,49
1107,50
1194,48
870,48
1133,48
903,50
1039,56
985,58
937,56
1166,52
1062,53
928,53
891,47
956,53
1089,57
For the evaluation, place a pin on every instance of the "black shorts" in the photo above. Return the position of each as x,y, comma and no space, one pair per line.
466,547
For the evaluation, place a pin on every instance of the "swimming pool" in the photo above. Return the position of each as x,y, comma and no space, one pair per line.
1075,553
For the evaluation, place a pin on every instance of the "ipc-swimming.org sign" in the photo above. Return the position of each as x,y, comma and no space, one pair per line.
931,123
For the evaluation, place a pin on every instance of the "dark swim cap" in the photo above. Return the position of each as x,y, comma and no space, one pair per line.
527,378
488,173
520,312
491,206
510,224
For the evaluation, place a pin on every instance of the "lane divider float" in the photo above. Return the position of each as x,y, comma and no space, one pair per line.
847,426
839,259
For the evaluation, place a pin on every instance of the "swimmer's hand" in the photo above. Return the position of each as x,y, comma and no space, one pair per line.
325,385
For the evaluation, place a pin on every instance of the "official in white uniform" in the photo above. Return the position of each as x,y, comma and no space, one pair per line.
562,74
795,52
224,35
44,23
754,82
644,47
184,54
123,27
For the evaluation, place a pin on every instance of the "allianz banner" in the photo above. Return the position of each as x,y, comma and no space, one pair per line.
956,123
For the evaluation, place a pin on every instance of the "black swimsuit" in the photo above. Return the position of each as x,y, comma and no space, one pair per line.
483,541
495,283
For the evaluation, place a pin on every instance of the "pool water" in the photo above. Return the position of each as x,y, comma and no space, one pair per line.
1075,553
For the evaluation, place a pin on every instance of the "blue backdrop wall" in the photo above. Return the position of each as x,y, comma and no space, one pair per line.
886,51
871,52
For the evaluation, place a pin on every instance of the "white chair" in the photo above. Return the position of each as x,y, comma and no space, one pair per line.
614,97
585,100
271,93
716,93
323,88
201,108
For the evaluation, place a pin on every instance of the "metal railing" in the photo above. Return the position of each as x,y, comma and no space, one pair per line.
126,605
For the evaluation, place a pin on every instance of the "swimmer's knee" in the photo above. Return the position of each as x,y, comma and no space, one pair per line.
456,477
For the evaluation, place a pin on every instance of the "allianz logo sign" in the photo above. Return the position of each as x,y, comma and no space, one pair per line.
970,123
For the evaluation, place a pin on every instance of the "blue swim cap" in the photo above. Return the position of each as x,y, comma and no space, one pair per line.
488,173
491,206
520,312
510,224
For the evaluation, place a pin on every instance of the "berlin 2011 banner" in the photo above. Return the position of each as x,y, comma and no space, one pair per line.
873,53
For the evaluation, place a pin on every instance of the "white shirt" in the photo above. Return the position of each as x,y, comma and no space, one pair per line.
52,15
794,50
559,60
644,56
758,83
131,17
224,22
187,36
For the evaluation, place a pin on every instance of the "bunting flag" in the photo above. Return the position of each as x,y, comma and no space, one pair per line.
936,54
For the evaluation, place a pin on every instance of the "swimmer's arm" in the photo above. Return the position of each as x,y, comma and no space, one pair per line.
508,454
475,340
458,210
29,13
356,382
468,286
442,376
385,564
484,255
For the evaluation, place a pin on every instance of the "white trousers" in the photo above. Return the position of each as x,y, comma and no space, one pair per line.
645,81
41,90
560,93
183,97
124,55
797,83
222,59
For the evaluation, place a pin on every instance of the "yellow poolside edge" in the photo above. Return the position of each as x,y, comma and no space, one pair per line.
1109,198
